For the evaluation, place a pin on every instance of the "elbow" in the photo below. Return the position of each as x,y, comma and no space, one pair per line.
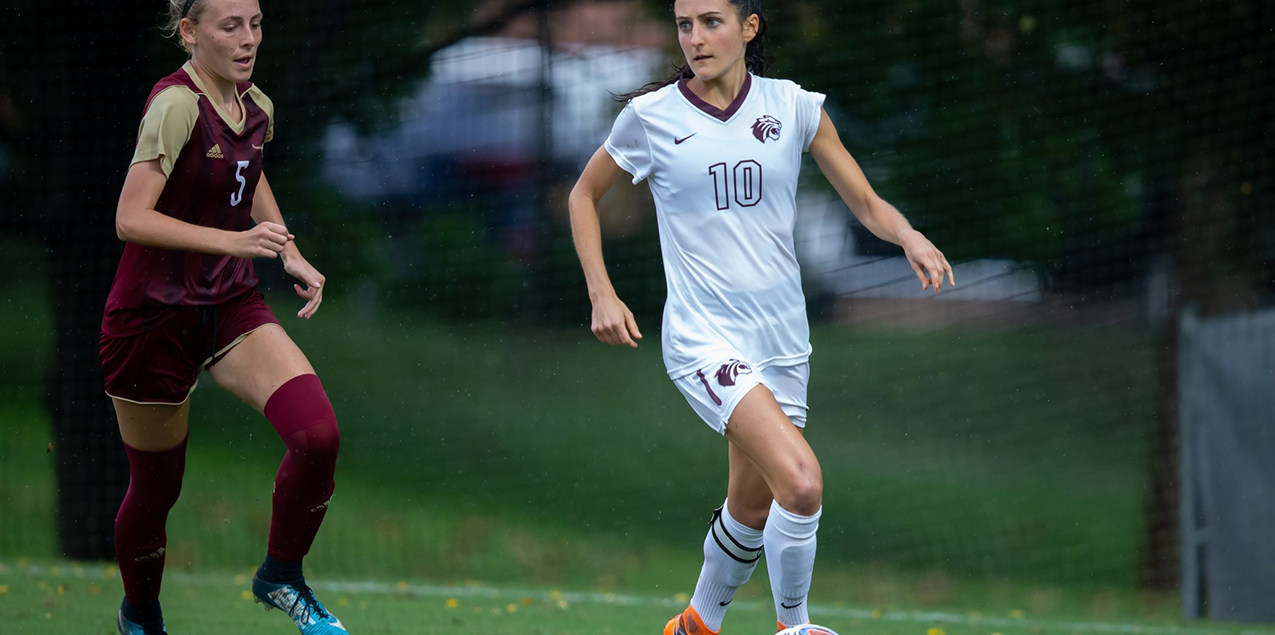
865,211
877,209
874,204
123,228
578,201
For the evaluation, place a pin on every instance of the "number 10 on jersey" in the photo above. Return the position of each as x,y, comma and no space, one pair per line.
744,180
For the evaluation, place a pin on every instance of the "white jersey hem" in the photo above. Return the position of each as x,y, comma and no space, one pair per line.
758,365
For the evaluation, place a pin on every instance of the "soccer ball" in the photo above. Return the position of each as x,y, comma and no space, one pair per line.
807,629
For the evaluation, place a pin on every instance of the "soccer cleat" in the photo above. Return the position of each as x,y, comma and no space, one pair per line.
129,627
687,622
298,601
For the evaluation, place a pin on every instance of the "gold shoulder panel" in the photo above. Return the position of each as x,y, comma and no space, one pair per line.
166,127
260,98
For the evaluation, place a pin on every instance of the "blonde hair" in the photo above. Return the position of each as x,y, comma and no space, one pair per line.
176,11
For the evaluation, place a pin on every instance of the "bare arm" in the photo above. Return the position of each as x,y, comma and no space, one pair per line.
613,323
137,221
265,210
880,217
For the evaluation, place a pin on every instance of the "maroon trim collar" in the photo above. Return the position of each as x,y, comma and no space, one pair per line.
714,111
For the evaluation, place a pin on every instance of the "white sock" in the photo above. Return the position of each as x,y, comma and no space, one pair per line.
790,560
731,551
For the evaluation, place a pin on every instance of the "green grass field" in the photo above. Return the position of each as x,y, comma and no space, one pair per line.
998,474
70,598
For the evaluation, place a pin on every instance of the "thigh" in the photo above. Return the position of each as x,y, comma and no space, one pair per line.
762,432
254,368
789,386
152,427
714,391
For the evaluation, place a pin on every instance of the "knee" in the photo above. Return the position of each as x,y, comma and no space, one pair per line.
152,493
317,445
301,413
325,442
156,477
164,492
804,492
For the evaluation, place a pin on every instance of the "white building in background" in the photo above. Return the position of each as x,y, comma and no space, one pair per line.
480,108
475,125
830,257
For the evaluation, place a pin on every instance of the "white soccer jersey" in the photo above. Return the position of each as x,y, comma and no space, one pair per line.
725,183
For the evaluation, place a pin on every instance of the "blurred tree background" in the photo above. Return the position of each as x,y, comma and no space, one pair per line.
1098,141
1119,152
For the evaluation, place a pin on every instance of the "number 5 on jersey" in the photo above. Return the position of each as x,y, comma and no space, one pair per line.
745,180
238,196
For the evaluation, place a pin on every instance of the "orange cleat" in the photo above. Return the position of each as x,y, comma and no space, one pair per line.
687,622
781,626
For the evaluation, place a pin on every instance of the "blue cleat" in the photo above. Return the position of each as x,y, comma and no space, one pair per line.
129,627
299,603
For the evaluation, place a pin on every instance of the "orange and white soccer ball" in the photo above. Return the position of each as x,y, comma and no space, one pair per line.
807,629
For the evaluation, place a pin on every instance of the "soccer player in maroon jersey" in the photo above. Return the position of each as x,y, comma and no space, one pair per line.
194,210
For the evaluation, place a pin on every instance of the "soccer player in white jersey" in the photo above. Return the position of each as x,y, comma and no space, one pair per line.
720,147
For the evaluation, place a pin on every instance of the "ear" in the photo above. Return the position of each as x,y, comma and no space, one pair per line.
750,27
187,30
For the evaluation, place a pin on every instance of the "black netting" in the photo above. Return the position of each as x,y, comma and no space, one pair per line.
1092,168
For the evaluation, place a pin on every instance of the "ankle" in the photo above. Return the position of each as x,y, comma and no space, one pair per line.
280,571
148,614
690,614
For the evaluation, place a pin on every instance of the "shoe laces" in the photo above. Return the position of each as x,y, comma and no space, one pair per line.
309,605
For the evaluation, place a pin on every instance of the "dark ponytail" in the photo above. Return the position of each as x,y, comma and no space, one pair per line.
755,57
680,71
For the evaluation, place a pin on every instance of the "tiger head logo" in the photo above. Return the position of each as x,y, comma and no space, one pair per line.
766,127
730,370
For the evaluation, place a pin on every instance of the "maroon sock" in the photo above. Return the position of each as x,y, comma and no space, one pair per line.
302,415
155,481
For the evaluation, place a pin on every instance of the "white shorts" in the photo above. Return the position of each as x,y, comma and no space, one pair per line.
715,390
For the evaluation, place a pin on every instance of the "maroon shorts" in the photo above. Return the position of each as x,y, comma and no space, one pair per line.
161,364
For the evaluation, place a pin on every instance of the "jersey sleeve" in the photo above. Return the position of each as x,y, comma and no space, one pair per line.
809,113
628,144
166,127
266,105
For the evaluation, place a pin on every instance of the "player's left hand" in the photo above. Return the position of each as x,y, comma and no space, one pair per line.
297,267
928,263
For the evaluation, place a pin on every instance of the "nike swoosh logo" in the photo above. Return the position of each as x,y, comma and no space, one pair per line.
790,607
678,142
724,603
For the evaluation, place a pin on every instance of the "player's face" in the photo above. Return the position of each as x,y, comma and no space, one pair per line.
226,39
712,36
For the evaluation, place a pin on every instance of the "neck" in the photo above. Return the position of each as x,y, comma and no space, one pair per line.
223,89
720,91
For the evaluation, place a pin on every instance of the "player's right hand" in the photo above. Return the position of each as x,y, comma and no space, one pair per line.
613,323
265,240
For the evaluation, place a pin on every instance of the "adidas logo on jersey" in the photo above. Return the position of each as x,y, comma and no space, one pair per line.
215,152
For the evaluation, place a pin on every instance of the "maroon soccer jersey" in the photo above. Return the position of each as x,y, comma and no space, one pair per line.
210,183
